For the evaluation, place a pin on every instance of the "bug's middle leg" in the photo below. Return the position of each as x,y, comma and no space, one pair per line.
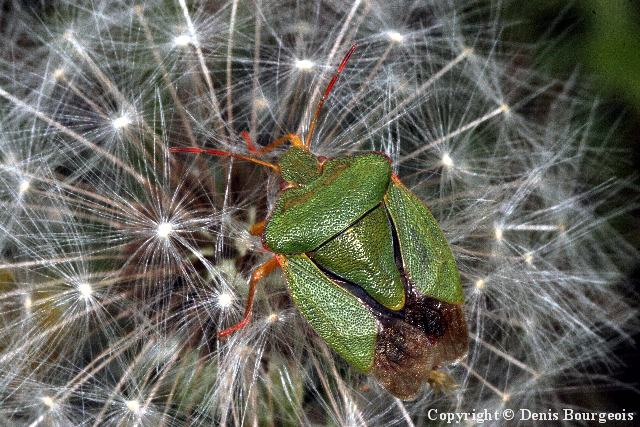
258,274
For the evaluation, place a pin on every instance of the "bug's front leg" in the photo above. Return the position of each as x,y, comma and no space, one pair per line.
258,274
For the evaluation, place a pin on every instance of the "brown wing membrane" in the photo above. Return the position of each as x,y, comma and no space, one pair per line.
433,333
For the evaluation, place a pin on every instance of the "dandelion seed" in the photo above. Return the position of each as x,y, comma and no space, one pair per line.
303,27
304,64
261,103
58,74
447,161
24,186
164,230
182,40
85,290
394,36
272,318
528,258
133,406
480,284
48,401
121,122
27,303
498,233
224,300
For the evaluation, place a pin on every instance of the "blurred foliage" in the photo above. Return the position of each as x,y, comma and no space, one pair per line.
599,38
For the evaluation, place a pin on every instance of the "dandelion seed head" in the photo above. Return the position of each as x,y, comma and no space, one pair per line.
394,36
304,64
163,235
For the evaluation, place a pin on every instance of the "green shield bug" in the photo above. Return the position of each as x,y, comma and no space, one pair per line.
365,261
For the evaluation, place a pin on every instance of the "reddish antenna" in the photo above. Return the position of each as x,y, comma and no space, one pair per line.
222,153
327,91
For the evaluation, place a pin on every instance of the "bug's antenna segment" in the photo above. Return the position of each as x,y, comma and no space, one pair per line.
221,153
327,91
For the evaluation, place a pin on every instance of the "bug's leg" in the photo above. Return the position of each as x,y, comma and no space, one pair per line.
292,138
258,274
257,228
247,139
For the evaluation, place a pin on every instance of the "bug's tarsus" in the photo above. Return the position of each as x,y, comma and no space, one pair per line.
222,153
258,274
326,93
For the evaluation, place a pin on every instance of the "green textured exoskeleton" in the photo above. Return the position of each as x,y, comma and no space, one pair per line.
368,266
365,261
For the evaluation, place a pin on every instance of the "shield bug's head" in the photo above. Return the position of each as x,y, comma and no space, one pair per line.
296,165
299,166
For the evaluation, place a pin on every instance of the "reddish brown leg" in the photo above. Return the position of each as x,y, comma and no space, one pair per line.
247,139
258,274
257,228
294,139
